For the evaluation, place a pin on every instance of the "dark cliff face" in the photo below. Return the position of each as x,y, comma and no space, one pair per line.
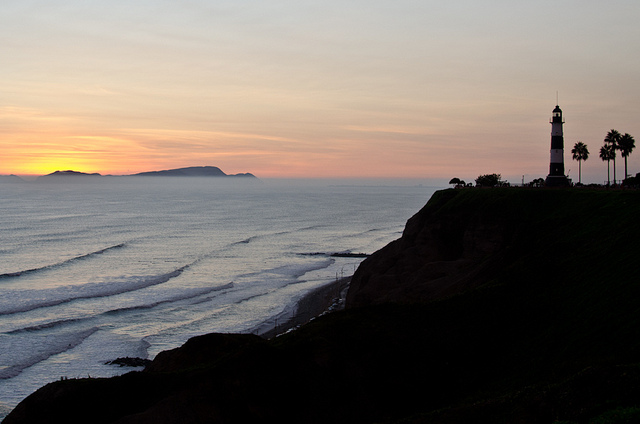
445,249
464,239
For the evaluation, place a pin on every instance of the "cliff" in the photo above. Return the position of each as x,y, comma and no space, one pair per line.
497,305
450,246
465,238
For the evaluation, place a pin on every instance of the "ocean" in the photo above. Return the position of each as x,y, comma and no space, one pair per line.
94,269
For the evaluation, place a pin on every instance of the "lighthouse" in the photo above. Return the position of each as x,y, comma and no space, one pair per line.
556,177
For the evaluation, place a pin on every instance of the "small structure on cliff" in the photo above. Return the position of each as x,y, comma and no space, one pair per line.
556,177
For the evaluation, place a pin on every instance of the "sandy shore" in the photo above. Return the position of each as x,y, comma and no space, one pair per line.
330,297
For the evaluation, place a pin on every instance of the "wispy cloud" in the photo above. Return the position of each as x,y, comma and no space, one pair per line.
21,113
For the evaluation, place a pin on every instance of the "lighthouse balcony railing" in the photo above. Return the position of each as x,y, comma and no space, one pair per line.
551,120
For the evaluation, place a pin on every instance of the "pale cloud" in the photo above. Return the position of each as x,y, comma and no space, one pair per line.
19,113
97,91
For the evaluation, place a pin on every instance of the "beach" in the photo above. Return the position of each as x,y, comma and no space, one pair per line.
319,301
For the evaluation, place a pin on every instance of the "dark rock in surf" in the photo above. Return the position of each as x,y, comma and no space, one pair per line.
349,255
130,362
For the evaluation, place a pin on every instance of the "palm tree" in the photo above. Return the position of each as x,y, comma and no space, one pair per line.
626,145
608,153
580,153
612,139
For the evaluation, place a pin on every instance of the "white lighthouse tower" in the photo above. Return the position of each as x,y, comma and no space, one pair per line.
556,177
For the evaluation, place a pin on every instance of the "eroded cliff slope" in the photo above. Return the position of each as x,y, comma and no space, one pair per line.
463,239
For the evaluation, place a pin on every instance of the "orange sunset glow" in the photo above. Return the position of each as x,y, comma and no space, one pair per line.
405,90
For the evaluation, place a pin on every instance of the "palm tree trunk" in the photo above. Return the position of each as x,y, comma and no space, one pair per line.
614,170
625,168
580,172
609,172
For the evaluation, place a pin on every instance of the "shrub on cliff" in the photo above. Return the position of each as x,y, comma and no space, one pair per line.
490,180
457,182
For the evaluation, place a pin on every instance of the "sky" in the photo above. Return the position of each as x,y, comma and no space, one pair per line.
309,89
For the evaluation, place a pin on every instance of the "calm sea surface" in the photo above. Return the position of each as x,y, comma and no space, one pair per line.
95,270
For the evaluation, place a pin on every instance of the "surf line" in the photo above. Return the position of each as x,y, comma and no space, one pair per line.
112,290
62,345
59,264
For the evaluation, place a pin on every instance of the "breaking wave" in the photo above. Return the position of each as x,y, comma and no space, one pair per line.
60,264
28,300
55,345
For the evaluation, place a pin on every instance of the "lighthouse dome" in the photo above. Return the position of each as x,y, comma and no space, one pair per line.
557,111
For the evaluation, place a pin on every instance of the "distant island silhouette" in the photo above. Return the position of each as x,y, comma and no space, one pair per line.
71,174
11,179
193,171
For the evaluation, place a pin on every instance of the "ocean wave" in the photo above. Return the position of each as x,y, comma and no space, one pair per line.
54,346
297,271
62,263
368,232
278,234
246,241
45,326
28,300
293,271
192,294
185,296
